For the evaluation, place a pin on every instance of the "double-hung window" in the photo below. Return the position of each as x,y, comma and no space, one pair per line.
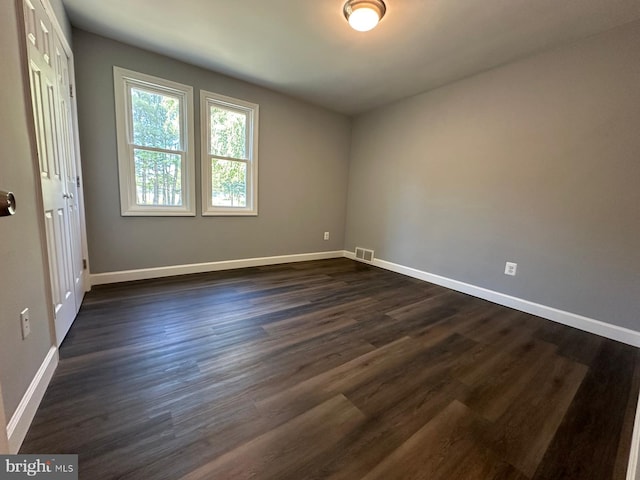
154,120
229,155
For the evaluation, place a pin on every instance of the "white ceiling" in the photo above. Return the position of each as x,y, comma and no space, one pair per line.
306,49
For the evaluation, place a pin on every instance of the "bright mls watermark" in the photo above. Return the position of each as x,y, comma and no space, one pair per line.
52,467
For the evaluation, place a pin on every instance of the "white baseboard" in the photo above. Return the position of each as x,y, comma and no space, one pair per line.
159,272
20,422
614,332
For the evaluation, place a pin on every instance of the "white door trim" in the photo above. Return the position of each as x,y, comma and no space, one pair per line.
633,470
4,440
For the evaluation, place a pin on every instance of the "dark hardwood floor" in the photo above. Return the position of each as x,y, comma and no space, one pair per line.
331,369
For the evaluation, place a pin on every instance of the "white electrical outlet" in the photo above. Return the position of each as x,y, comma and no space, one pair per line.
26,324
510,269
326,235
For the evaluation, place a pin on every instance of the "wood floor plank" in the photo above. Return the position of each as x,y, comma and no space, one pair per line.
443,449
387,429
496,383
525,430
279,453
595,417
331,318
334,381
429,367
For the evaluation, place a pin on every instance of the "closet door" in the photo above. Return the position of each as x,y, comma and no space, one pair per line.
70,170
50,101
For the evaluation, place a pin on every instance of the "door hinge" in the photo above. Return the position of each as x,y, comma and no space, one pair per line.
78,182
71,90
84,263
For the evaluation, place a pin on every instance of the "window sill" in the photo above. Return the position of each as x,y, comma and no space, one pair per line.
230,213
161,213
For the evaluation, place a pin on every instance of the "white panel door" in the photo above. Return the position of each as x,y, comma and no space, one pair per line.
70,171
56,162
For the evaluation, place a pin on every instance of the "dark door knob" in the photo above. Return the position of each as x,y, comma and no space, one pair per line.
7,204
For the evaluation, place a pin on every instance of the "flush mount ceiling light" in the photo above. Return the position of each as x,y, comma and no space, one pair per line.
364,15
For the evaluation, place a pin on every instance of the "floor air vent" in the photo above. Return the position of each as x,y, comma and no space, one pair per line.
364,254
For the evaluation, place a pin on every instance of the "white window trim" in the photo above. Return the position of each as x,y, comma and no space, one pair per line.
123,79
252,109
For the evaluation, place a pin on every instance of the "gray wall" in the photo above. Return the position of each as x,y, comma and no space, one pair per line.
537,162
22,261
303,163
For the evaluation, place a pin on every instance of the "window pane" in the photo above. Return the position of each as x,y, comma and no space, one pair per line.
228,133
156,120
158,178
229,183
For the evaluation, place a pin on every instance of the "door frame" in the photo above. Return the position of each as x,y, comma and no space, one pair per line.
76,147
4,440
